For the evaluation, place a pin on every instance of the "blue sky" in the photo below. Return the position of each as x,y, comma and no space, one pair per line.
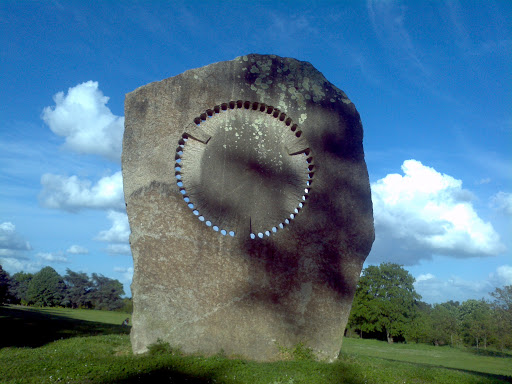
431,80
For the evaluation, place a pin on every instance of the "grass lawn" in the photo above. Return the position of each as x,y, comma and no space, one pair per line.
81,346
445,356
34,327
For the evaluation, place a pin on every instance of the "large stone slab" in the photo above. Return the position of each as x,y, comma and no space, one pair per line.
250,209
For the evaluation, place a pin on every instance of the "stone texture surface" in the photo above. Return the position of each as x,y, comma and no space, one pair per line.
205,292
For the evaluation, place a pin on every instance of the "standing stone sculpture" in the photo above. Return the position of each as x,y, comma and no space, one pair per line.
249,206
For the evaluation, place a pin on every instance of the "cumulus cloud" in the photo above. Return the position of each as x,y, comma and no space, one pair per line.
424,277
119,232
502,276
15,264
424,212
82,117
502,201
77,250
119,249
12,244
436,290
52,257
72,194
127,273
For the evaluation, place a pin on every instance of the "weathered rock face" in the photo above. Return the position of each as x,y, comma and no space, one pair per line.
250,209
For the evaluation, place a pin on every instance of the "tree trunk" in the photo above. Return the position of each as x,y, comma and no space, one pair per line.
476,338
389,337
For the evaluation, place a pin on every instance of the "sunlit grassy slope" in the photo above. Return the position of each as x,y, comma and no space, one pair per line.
470,360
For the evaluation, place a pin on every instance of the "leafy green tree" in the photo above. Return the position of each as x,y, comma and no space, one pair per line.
363,316
420,326
46,289
4,286
127,305
476,322
79,290
107,293
503,298
385,300
502,314
444,324
19,287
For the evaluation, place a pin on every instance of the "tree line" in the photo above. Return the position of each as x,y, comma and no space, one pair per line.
47,288
386,306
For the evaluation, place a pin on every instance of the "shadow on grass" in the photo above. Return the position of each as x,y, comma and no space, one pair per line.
491,353
164,375
29,328
214,369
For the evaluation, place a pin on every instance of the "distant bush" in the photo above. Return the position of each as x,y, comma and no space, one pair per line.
127,306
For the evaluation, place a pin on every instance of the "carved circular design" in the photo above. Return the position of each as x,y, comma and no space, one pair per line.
244,168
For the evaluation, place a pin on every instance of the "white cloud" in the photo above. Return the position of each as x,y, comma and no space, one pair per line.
14,264
425,212
425,277
12,244
126,277
85,121
389,23
486,180
502,276
119,232
77,250
502,201
127,273
436,290
119,249
52,257
289,26
73,194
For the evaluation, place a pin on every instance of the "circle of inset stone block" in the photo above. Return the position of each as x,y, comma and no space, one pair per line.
244,168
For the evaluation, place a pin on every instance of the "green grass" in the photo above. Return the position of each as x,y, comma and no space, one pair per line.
91,347
445,356
34,327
